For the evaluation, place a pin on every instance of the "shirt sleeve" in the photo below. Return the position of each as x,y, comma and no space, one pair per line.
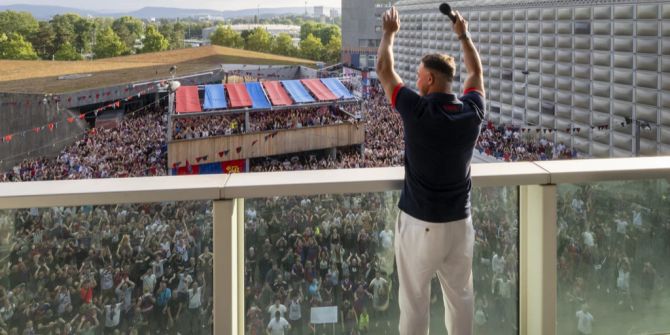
475,98
404,100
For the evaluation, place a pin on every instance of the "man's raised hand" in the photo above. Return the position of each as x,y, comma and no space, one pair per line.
391,21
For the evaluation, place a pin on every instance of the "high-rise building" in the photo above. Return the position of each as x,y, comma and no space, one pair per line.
361,32
334,13
594,74
318,11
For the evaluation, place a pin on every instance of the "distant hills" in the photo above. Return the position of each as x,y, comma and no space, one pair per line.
46,12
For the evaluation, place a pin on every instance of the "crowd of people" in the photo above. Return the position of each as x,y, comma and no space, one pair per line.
229,124
135,148
124,269
612,251
333,250
128,268
510,143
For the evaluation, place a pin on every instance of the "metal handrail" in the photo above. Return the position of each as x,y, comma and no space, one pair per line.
266,184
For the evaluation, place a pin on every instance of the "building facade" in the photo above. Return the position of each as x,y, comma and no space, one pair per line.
361,32
593,74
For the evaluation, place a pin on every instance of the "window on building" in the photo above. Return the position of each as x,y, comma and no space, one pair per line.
582,28
495,109
378,29
548,108
507,74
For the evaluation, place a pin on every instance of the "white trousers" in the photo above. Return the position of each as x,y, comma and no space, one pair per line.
423,249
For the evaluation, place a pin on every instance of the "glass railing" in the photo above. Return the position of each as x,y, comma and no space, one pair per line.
612,257
89,269
556,243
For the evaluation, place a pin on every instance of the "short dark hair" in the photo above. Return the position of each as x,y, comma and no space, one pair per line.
441,63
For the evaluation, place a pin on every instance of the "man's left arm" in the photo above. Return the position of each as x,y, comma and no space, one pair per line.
388,78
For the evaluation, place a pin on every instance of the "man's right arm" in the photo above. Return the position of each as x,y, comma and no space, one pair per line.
473,64
388,78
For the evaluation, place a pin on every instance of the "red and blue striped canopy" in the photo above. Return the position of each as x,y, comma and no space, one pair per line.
260,95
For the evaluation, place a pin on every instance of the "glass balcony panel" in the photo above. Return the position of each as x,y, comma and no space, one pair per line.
612,257
327,249
121,269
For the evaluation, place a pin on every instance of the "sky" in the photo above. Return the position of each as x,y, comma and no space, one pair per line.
128,5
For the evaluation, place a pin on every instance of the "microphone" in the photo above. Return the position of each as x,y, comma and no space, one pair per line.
446,10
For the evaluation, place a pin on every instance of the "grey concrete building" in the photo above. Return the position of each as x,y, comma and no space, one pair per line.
361,31
595,72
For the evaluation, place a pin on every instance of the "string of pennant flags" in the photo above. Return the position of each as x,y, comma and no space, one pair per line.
225,152
54,124
91,131
623,124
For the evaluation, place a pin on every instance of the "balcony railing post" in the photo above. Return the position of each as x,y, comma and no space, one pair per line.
226,290
538,212
241,247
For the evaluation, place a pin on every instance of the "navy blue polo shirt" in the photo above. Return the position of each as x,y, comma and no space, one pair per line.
440,135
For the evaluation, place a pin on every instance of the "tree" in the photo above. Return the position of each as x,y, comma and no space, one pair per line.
154,40
327,32
309,27
67,52
311,48
63,26
227,37
128,29
259,40
177,40
333,49
283,45
84,30
22,23
44,39
13,46
108,44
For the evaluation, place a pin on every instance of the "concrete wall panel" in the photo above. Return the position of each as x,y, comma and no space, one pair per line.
648,80
564,84
646,113
649,45
582,101
623,28
602,13
623,60
582,71
583,42
601,105
602,59
624,12
623,76
623,44
582,57
646,96
624,93
564,14
601,90
602,28
564,28
602,43
647,28
647,11
583,13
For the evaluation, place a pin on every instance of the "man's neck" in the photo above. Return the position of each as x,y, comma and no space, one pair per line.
439,90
